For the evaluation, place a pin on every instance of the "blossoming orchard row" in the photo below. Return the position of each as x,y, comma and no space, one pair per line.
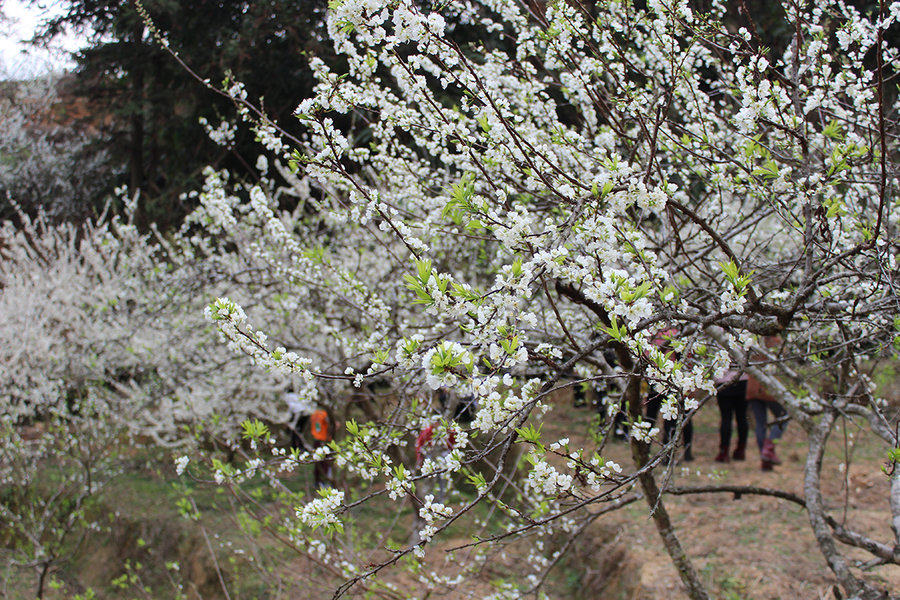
491,221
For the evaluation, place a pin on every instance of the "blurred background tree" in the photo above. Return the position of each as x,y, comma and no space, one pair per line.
143,108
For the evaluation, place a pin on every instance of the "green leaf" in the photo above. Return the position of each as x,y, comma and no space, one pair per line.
768,171
516,268
607,188
614,331
477,480
423,267
729,269
834,207
254,430
530,434
833,131
419,282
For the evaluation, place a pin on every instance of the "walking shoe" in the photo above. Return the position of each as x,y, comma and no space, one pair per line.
740,452
722,456
766,465
767,454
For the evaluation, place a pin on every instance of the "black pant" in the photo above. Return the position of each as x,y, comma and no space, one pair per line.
732,401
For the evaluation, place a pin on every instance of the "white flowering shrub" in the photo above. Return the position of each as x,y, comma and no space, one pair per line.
102,310
107,354
51,473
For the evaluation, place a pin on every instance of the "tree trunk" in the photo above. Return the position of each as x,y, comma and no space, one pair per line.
136,160
856,588
641,456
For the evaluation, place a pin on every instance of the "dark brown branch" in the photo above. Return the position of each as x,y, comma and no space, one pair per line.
641,456
738,491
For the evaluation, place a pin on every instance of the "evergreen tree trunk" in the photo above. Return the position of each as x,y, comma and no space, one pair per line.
136,159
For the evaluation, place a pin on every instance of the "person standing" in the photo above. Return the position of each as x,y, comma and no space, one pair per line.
732,400
311,428
321,429
761,402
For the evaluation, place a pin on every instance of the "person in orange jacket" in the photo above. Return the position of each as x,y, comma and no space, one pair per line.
312,427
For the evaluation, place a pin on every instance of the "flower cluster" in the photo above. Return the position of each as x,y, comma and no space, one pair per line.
322,512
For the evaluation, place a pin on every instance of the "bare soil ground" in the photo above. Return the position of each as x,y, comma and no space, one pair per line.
747,548
754,547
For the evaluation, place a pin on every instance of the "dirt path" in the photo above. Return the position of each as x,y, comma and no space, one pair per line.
754,547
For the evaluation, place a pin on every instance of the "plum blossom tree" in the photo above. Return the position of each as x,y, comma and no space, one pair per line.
501,216
45,161
108,352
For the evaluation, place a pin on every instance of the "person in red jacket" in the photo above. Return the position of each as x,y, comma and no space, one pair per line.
424,442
